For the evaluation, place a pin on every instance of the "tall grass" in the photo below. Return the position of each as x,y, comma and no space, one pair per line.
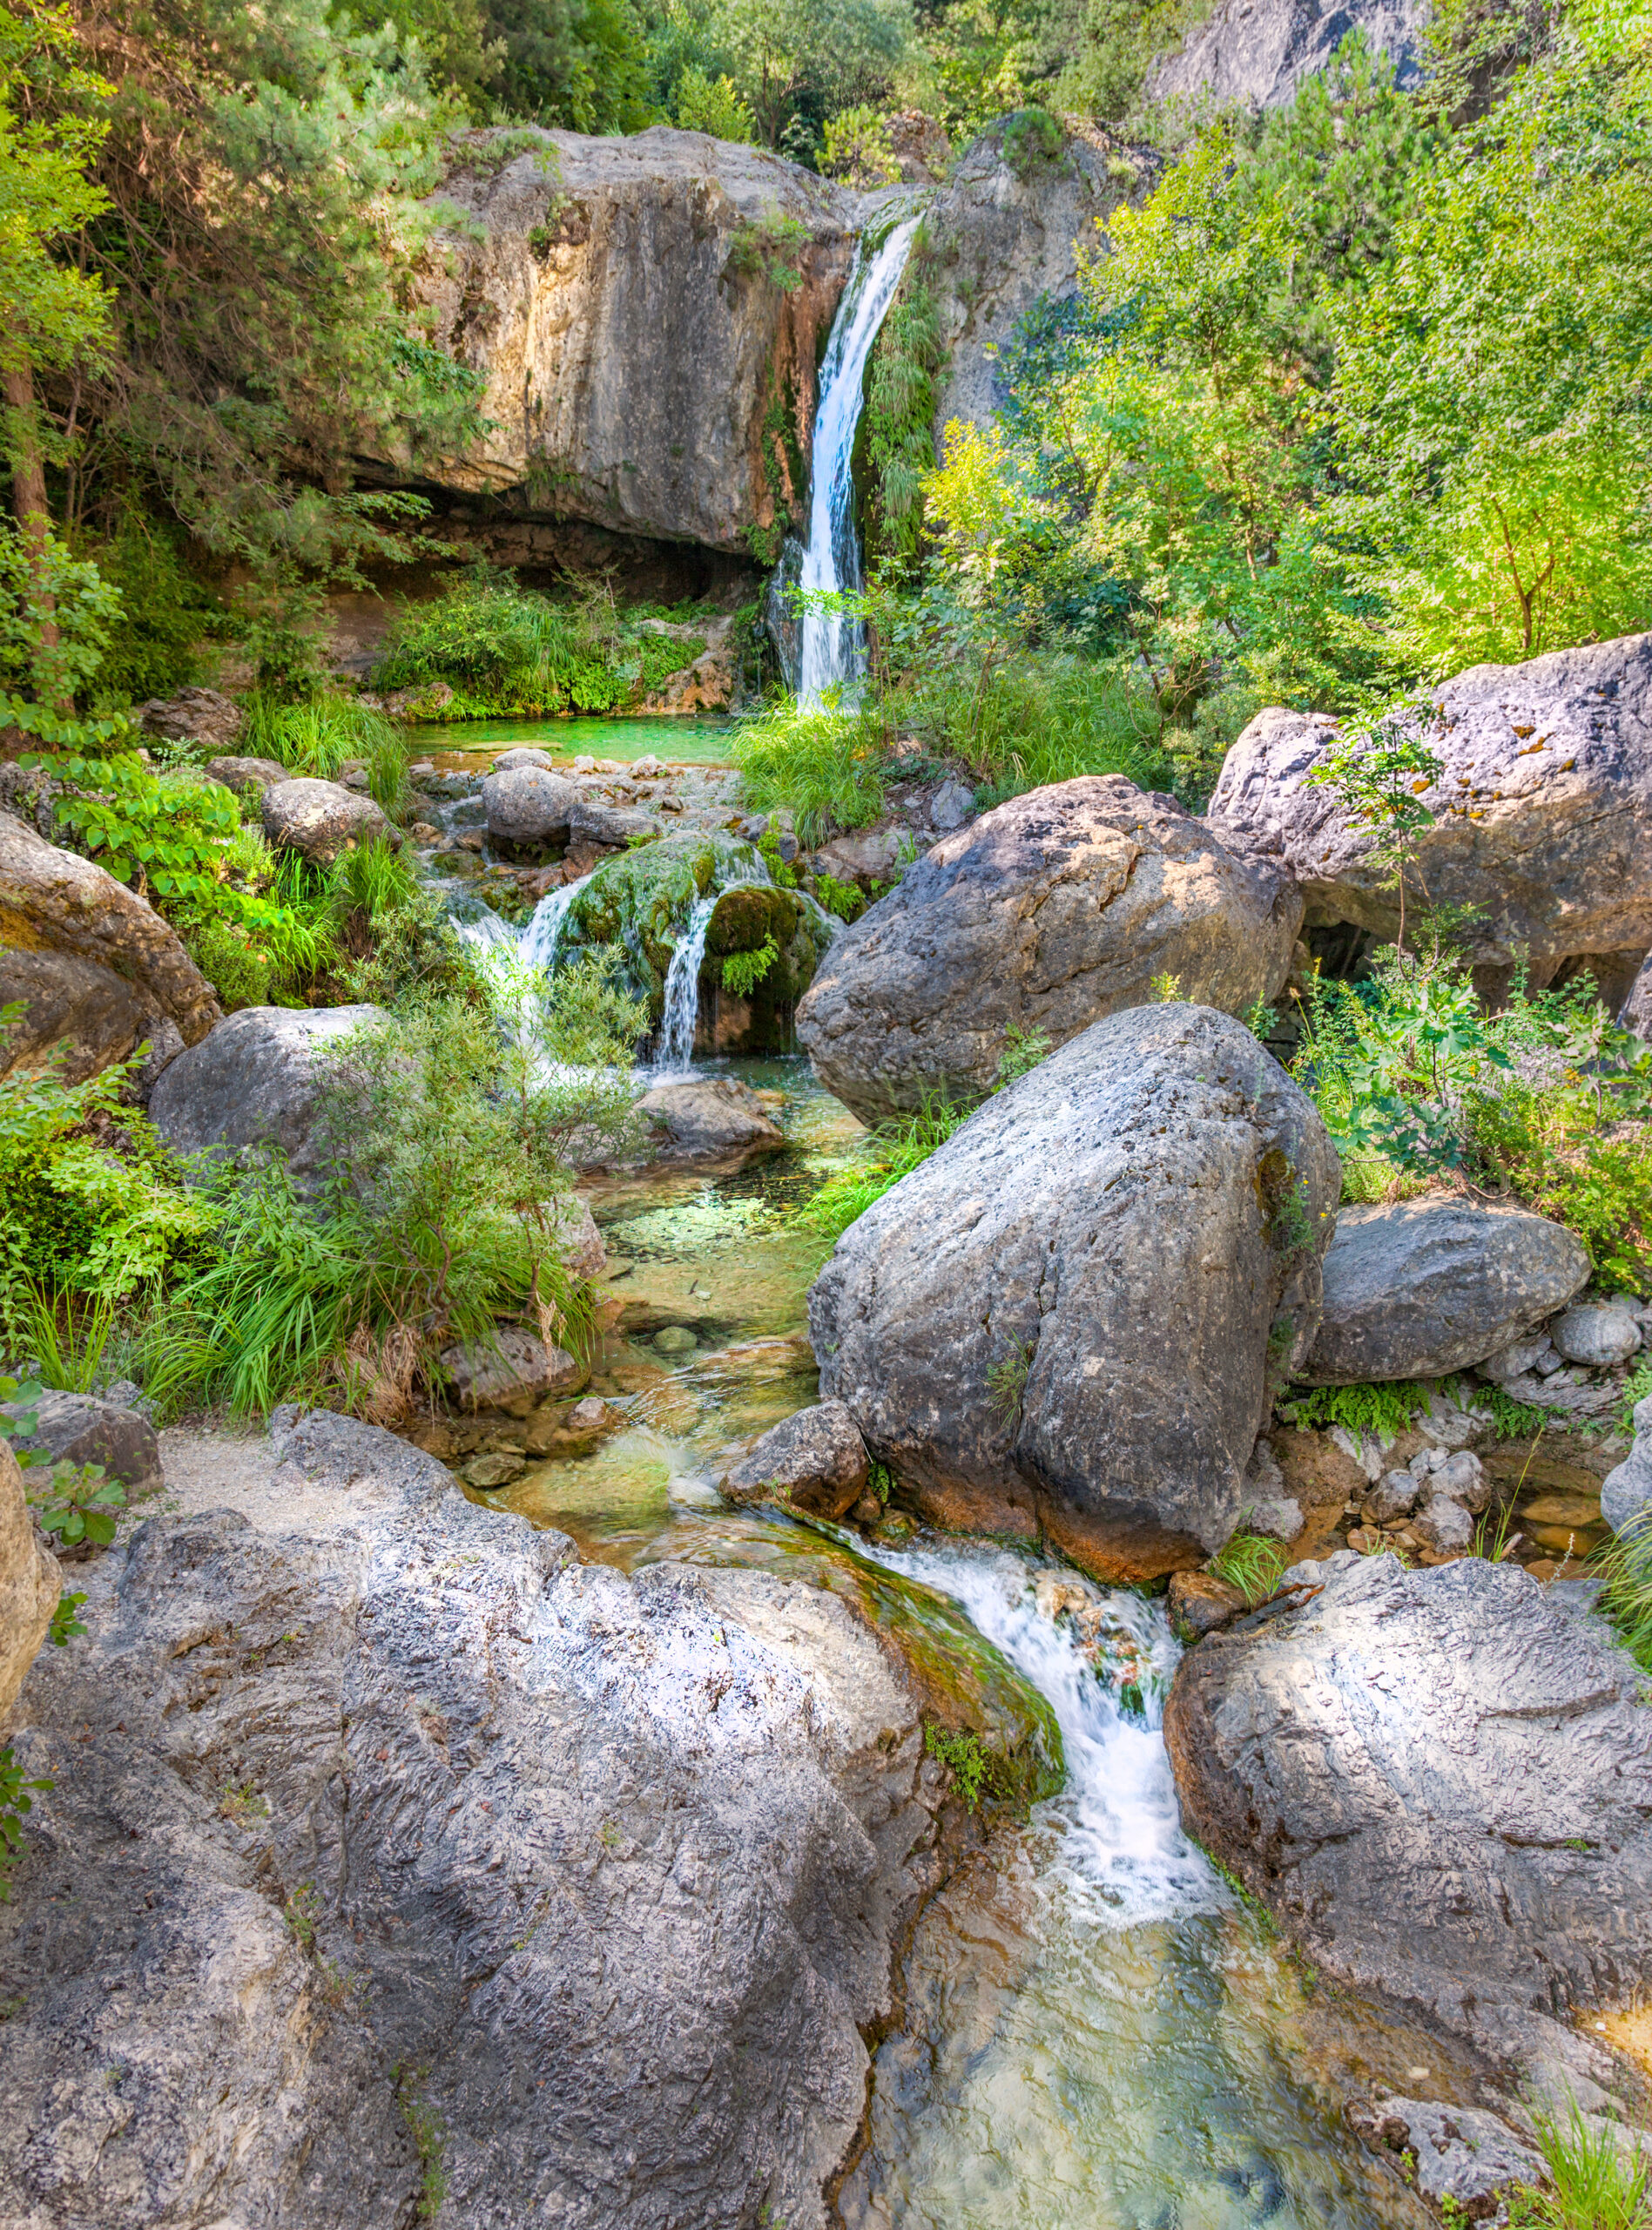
894,1151
65,1335
827,767
1041,717
1594,2184
324,735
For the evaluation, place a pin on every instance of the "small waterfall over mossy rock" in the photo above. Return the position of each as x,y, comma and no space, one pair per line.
832,652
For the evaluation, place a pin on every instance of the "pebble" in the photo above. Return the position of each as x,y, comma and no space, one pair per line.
1563,1510
675,1339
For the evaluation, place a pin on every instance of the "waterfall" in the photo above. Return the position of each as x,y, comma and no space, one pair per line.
539,938
683,991
833,644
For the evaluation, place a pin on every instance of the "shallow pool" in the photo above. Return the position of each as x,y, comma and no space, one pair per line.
461,746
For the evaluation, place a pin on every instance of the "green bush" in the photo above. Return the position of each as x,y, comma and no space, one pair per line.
321,736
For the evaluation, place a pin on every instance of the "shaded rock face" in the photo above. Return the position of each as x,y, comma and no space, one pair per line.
1418,1289
1544,812
199,716
79,1429
97,968
617,1863
320,819
1441,1783
31,1583
1626,1492
515,1375
621,304
711,1119
258,1079
1260,50
1067,1318
1053,910
816,1459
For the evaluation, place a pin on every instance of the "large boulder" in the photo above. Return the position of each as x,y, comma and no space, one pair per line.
79,1428
1060,906
1626,1491
528,805
1070,1317
1418,1289
97,968
409,1826
636,307
515,1372
31,1584
1544,812
204,718
1260,54
708,1119
321,820
1441,1783
259,1079
239,775
816,1459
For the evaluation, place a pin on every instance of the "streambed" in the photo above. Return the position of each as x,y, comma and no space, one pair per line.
1096,2032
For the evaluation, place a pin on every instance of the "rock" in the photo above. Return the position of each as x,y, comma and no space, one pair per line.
1443,1523
588,1416
1268,1508
1045,914
1260,54
675,1339
583,1251
816,1459
515,1374
710,1118
548,1834
198,716
1626,1492
1419,1289
1635,1013
1456,1746
707,684
31,1584
528,805
1463,2154
97,968
953,804
321,820
1596,1335
239,775
1061,1319
592,822
1513,1360
860,860
79,1428
520,754
1544,812
616,295
260,1079
1201,1603
494,1471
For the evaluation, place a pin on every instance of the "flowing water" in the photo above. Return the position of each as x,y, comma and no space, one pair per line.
832,656
1096,2035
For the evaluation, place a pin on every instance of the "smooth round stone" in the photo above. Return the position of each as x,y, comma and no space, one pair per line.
675,1340
1574,1540
1563,1510
1595,1333
496,1470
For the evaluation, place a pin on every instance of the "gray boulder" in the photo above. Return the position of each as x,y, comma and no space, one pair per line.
1462,2153
1626,1491
203,717
31,1584
600,1877
1544,812
1460,1747
528,805
592,822
1596,1335
239,774
520,754
1043,915
1418,1289
816,1459
1636,1011
515,1374
708,1119
1068,1318
1260,54
258,1079
79,1429
321,820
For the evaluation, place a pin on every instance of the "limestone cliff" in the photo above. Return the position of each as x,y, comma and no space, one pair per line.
1260,50
648,313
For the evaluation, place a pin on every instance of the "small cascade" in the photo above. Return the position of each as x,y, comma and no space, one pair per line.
832,654
676,1043
539,939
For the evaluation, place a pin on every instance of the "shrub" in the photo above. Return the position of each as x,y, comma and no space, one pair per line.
826,767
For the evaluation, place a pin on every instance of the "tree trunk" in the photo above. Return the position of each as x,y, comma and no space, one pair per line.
29,493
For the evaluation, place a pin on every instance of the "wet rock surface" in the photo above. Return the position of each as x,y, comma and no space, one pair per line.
1062,1319
1440,1782
1544,812
816,1460
599,1875
1463,2155
98,968
708,1119
527,804
1043,915
1418,1289
258,1079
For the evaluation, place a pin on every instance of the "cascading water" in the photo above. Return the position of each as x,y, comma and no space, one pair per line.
833,645
683,991
540,938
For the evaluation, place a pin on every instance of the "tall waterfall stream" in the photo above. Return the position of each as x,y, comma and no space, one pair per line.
1095,2033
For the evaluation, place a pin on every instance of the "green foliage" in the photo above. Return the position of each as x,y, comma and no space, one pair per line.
964,1758
76,1502
1251,1563
66,1344
1375,1412
429,2135
66,1623
901,394
894,1150
826,767
795,66
324,734
502,649
743,971
1032,137
767,247
1024,1051
1006,1382
17,1793
713,104
164,615
1594,2183
858,150
846,900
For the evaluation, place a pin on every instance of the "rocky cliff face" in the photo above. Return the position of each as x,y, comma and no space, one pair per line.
648,313
1260,50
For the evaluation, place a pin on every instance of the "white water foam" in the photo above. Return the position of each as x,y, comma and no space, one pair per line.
833,645
1120,1853
540,938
